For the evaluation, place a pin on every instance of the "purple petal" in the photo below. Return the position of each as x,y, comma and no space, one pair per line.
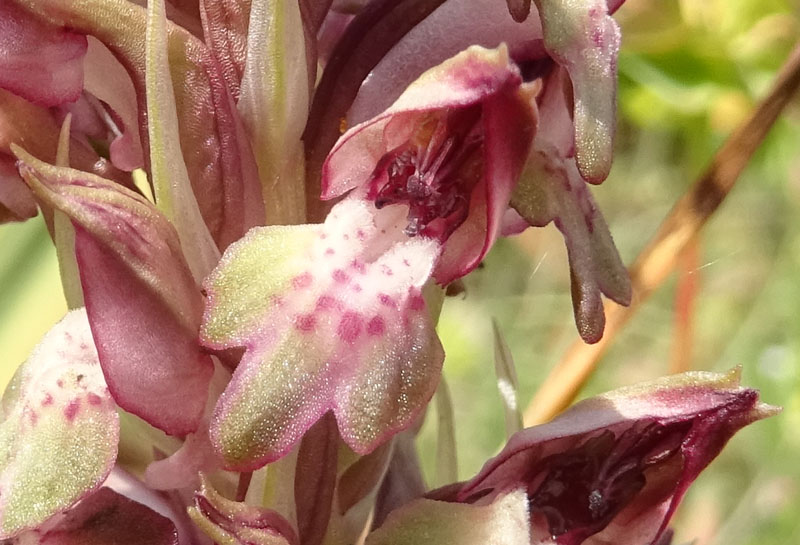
39,61
59,428
108,517
616,466
143,305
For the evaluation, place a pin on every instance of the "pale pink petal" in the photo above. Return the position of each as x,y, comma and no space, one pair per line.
107,79
468,22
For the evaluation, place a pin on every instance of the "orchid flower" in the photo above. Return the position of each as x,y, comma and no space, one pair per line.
244,362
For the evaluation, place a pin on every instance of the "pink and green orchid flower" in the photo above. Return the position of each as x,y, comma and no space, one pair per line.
255,289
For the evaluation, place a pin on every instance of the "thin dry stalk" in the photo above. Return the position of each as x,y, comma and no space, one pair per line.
686,292
660,256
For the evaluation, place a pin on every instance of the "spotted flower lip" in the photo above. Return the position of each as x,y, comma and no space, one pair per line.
334,321
613,468
450,149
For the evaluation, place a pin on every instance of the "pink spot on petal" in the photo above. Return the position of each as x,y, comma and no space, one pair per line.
305,322
386,270
360,234
340,276
376,326
356,288
302,281
346,236
60,383
386,300
359,266
406,263
94,399
48,400
416,302
71,410
330,251
323,236
350,327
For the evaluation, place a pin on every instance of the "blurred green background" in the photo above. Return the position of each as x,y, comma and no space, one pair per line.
690,71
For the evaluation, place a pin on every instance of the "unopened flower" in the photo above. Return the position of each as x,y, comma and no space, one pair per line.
613,468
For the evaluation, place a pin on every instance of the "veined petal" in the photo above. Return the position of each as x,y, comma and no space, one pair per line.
332,318
39,61
464,80
143,305
59,428
583,38
503,522
225,24
613,468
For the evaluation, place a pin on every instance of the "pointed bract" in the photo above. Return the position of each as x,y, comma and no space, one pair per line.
143,305
234,523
